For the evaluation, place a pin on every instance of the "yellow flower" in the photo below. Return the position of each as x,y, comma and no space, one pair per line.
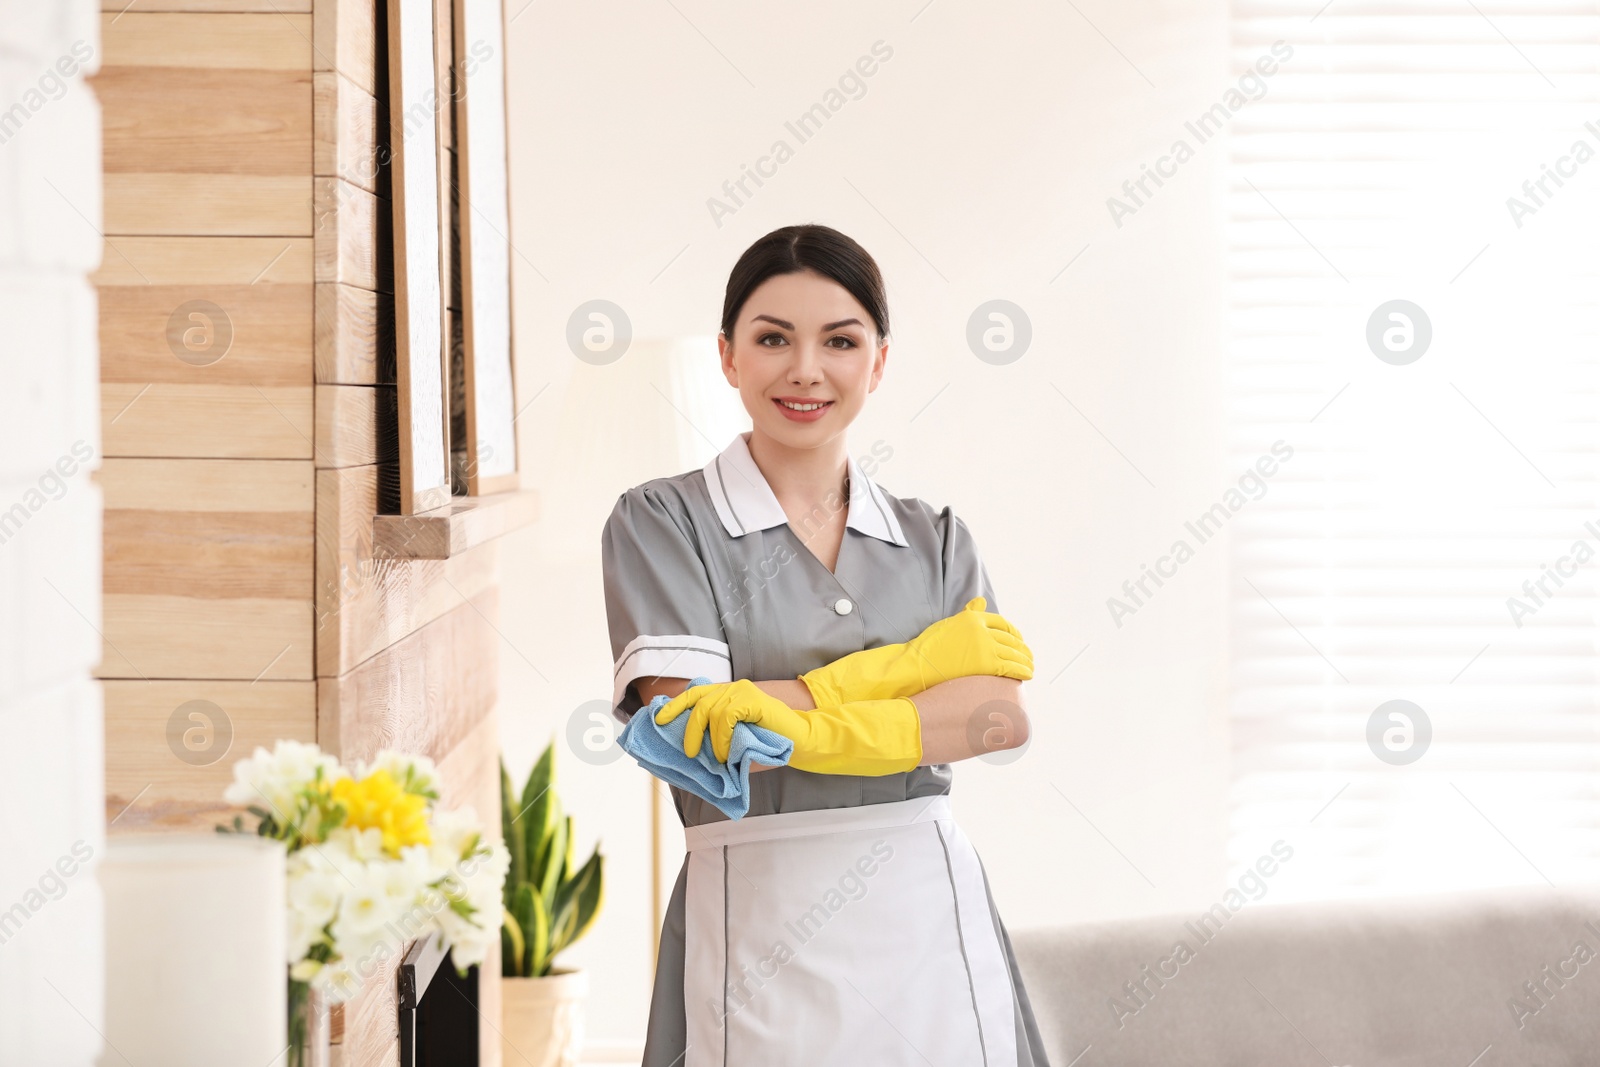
377,802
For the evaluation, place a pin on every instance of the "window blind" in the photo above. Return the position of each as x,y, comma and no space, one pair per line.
1445,154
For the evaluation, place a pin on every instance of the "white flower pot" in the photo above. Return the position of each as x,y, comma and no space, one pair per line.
541,1019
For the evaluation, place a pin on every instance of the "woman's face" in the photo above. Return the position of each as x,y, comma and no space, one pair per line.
802,339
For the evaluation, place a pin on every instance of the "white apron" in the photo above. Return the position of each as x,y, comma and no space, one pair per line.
843,936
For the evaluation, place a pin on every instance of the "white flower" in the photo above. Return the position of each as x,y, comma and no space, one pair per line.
478,882
314,894
337,982
363,952
418,862
452,832
301,935
399,882
364,906
273,780
362,846
467,941
333,857
487,880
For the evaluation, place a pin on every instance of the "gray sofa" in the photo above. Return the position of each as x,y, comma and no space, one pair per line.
1430,981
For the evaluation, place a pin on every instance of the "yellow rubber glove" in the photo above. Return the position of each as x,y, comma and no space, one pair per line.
863,737
972,641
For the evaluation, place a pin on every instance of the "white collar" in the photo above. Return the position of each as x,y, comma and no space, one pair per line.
745,502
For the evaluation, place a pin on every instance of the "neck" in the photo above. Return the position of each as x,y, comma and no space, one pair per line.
804,477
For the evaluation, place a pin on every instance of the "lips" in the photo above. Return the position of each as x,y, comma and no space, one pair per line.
801,414
786,402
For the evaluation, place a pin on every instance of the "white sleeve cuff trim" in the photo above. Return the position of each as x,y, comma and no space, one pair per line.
670,656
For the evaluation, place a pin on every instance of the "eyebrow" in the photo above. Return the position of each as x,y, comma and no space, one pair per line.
790,325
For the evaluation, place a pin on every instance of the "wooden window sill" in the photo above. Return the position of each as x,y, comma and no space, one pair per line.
461,525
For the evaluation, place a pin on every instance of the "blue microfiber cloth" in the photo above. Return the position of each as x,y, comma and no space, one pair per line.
659,750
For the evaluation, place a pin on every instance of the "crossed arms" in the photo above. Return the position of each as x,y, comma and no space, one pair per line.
955,723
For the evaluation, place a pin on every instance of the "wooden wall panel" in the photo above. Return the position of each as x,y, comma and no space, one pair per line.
205,120
208,123
206,421
369,1024
165,260
352,226
346,132
421,694
150,786
252,298
206,567
207,204
117,7
354,337
346,39
267,330
365,604
348,417
154,36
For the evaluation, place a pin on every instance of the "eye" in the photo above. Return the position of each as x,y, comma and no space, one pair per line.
849,342
764,338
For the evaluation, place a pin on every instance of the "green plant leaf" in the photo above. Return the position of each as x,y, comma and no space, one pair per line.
569,864
550,867
535,811
591,894
512,946
563,915
550,853
578,904
539,944
516,844
525,911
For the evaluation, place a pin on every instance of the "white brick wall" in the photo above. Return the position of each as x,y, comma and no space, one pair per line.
51,726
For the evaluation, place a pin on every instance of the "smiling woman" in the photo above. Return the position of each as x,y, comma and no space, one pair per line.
872,644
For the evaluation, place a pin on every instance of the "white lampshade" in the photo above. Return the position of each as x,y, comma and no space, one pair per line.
195,943
662,409
705,411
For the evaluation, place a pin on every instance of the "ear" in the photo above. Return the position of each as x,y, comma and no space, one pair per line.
880,358
725,355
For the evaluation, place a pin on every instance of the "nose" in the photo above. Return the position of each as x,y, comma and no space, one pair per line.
806,366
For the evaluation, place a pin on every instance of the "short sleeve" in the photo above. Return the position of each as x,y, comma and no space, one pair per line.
660,609
964,574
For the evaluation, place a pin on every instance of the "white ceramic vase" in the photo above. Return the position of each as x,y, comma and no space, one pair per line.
541,1019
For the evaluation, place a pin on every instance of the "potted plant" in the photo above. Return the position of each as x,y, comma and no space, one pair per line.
550,902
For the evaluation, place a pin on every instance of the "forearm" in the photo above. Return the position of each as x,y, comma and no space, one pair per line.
971,716
961,718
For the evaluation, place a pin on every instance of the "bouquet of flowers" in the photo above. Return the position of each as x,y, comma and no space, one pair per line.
372,864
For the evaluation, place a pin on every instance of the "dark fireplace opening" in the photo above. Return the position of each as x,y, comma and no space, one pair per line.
438,1009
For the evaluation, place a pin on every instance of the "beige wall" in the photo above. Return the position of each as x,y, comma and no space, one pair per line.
976,166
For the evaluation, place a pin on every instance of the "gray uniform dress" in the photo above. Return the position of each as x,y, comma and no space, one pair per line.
704,577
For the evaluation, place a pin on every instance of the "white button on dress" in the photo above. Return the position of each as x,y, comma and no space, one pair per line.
843,606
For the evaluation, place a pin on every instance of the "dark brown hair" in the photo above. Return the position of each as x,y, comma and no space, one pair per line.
792,249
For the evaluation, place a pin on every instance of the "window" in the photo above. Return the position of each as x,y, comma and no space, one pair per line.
1435,537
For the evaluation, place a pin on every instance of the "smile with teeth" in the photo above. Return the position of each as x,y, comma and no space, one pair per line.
811,406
